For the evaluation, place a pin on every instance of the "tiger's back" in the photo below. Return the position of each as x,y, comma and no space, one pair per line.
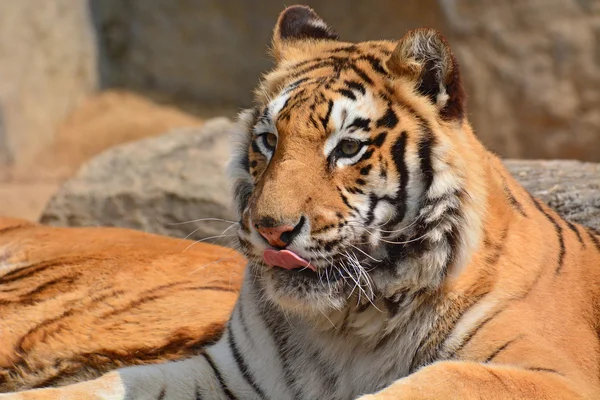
77,302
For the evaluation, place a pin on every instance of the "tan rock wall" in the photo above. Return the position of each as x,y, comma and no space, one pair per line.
47,65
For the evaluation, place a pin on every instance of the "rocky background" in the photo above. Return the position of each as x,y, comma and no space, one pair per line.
78,77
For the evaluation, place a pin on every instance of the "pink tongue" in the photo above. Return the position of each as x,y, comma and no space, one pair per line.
285,259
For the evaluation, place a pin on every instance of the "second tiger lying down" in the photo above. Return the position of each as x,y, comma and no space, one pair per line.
390,253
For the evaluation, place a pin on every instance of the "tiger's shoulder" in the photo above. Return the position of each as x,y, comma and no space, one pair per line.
77,302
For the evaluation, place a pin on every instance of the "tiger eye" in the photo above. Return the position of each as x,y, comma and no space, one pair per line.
349,147
270,140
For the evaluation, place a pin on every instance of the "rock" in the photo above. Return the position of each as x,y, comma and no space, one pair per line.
570,187
532,72
162,185
158,183
531,68
104,120
48,64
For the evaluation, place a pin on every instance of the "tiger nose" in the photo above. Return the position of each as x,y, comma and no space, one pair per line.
279,235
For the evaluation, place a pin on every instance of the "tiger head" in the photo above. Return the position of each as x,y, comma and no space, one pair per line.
356,175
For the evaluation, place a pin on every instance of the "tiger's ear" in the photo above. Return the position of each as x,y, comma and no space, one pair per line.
299,23
424,56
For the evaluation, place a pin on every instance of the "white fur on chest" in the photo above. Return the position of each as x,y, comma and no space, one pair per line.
353,359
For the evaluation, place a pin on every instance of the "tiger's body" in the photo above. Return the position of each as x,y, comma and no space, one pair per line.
391,256
78,302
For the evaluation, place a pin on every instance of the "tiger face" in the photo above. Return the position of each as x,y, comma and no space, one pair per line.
351,173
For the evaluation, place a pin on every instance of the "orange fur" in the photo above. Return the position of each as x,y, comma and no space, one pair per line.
77,302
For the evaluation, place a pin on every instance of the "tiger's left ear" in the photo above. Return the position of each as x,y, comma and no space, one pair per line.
424,57
299,23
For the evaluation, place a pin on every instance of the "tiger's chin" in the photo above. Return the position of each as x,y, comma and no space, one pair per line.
304,291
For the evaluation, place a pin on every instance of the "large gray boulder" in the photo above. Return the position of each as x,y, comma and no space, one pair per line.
570,187
165,184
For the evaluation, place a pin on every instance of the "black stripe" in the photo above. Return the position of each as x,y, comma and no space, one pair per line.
285,104
142,298
347,93
312,120
361,73
424,150
30,298
365,170
373,201
15,227
162,394
325,120
345,199
513,201
217,373
389,119
283,350
559,234
499,378
436,337
538,369
33,269
295,84
500,349
311,66
64,280
472,334
212,288
350,48
380,139
255,147
593,238
367,155
360,123
242,366
243,321
575,231
353,85
305,62
399,157
274,323
452,238
375,63
197,393
497,248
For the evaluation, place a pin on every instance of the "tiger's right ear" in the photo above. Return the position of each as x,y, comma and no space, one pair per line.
299,23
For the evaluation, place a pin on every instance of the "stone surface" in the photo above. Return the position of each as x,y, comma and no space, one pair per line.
532,71
570,187
104,120
99,122
156,185
47,66
531,67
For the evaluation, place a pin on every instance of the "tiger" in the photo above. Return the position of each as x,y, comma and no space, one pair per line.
78,302
390,254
